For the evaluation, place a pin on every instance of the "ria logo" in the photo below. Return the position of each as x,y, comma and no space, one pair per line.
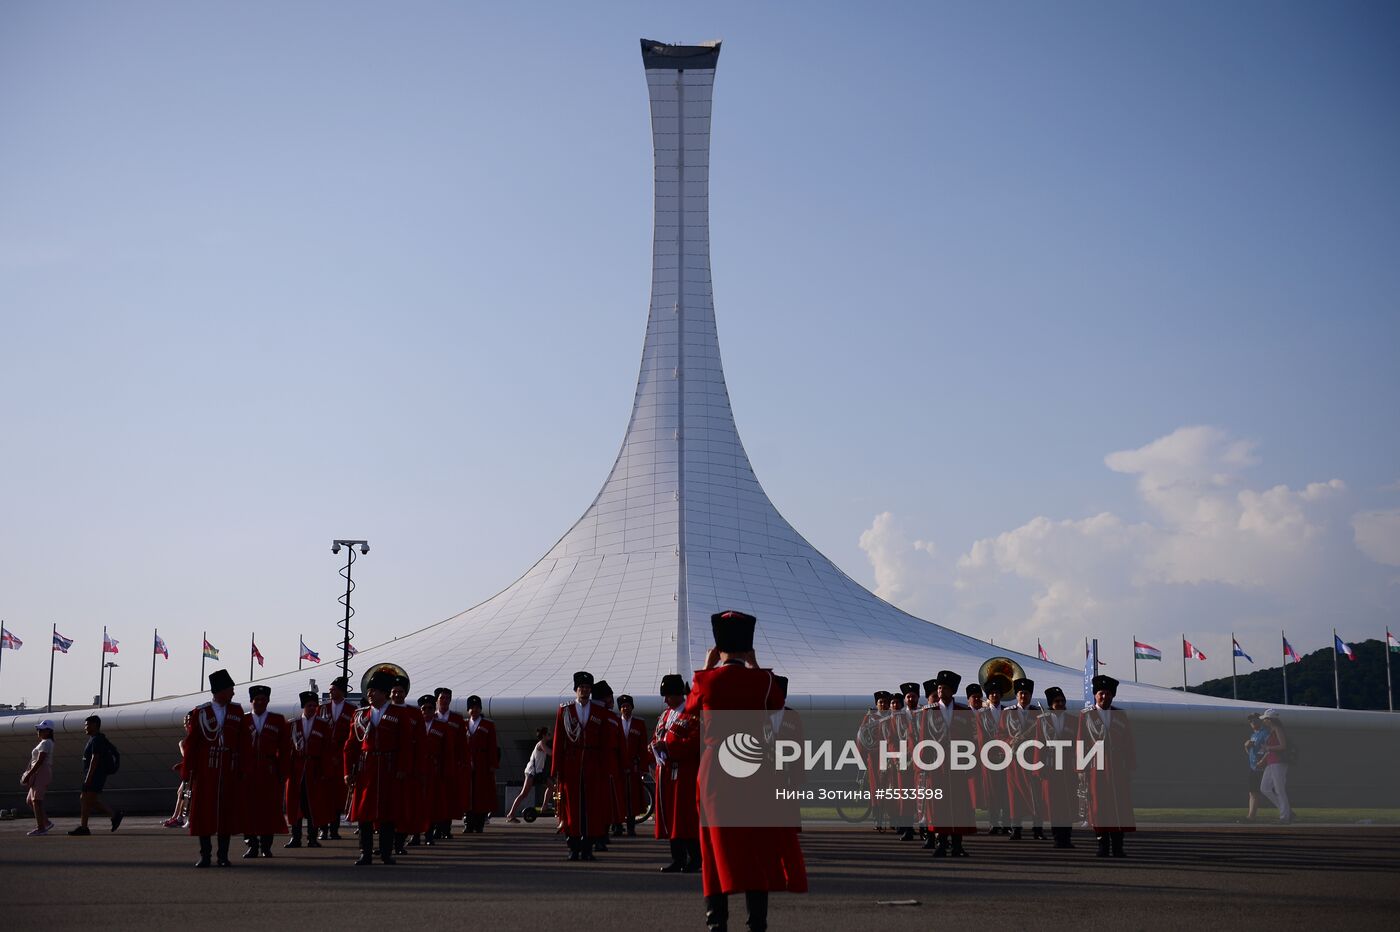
741,755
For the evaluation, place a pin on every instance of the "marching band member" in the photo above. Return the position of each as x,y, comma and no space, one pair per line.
434,783
993,784
905,777
411,816
1020,724
869,735
373,770
676,749
949,806
579,766
603,697
311,749
214,763
1110,789
636,760
338,713
265,781
483,757
455,763
1060,786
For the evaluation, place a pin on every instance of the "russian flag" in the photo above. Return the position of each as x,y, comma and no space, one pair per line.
161,648
309,654
1344,648
1289,653
1239,652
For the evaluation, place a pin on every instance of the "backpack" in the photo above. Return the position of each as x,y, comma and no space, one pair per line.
111,757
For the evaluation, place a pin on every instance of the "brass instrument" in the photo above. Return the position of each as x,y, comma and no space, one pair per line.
392,669
1001,666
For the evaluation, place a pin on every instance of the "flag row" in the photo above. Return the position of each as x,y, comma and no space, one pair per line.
110,645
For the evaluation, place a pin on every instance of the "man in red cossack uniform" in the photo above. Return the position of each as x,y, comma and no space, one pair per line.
904,777
603,703
338,713
1110,789
636,760
456,769
579,765
869,735
944,721
373,769
1061,784
410,814
214,764
991,784
676,749
310,748
1021,724
483,757
265,784
432,780
737,858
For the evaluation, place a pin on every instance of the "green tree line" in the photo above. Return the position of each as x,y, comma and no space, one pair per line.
1310,680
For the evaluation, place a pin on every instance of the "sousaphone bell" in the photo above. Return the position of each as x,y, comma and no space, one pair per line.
1003,667
392,669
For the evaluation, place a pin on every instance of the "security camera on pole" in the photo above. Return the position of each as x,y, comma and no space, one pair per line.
347,635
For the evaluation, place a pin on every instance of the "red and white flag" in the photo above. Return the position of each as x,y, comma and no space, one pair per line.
1040,650
109,645
1190,652
257,654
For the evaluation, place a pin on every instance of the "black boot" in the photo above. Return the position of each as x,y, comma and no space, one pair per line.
295,840
252,842
1038,833
616,829
717,912
940,846
930,841
266,842
416,841
631,827
1102,851
958,850
311,834
1061,835
692,855
757,903
588,846
574,845
399,839
366,845
1016,833
221,855
1116,840
206,849
677,858
386,842
906,833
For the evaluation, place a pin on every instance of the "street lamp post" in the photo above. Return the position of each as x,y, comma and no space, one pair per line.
347,634
110,665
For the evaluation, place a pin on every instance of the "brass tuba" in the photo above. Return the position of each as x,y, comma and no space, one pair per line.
392,669
1001,666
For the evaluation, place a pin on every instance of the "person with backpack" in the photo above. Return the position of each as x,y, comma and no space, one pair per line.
101,759
1278,755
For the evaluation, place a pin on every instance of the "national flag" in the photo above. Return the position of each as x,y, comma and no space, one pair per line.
1040,650
161,648
8,639
257,654
1143,651
1391,642
1289,653
210,651
1189,651
109,645
1239,652
309,654
1344,648
61,643
350,649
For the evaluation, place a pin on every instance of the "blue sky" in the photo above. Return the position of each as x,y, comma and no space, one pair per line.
1046,321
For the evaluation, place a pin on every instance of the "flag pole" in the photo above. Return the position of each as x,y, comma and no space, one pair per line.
298,651
1234,690
1389,690
49,707
204,639
1285,667
2,651
252,643
1336,674
155,636
1135,676
1184,687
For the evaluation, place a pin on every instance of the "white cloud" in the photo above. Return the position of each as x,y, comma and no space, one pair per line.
1378,535
902,567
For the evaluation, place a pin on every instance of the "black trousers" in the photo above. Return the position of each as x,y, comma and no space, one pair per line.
717,911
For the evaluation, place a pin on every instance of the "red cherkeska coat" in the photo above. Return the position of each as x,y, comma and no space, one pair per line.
636,760
440,790
483,757
949,808
579,765
738,858
412,816
677,743
455,765
373,757
1110,789
1060,787
265,785
1024,790
215,763
308,764
333,795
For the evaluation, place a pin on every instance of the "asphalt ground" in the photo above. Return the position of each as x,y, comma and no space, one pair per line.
516,877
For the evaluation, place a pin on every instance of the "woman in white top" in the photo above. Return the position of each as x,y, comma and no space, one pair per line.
536,768
37,777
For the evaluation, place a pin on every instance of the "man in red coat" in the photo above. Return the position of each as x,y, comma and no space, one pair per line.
310,748
1021,724
579,766
338,713
411,816
431,780
949,810
264,787
636,760
374,770
676,750
454,763
483,757
1061,785
214,763
1110,789
737,858
603,699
